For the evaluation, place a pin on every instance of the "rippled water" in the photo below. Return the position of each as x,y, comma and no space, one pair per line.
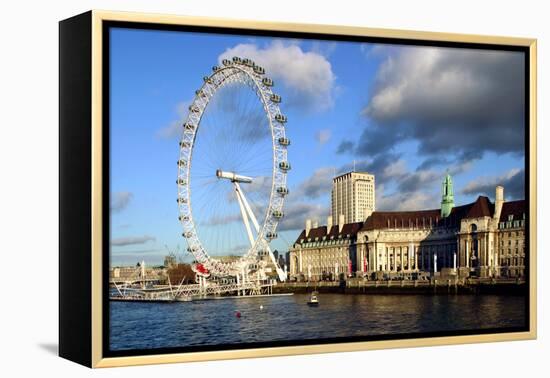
160,325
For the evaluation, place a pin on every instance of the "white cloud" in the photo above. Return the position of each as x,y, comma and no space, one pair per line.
323,136
296,214
512,180
131,240
120,200
395,170
307,75
317,185
174,128
454,102
400,201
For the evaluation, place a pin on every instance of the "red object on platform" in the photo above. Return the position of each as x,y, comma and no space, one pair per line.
201,269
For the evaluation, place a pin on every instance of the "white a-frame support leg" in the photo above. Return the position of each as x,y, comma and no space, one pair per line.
243,203
243,213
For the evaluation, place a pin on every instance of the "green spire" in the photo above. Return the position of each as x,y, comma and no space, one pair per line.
447,196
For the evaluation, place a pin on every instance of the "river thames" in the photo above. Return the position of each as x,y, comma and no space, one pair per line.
138,325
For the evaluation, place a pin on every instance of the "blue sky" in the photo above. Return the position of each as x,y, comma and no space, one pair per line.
406,114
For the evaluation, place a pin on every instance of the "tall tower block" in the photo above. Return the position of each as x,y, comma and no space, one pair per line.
353,197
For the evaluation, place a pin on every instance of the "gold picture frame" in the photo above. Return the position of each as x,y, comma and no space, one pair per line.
90,268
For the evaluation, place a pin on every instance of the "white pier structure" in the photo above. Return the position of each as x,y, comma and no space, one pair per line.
202,290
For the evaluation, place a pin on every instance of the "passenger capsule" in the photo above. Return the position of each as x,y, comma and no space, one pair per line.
180,181
215,68
200,93
267,82
182,163
183,218
275,98
280,118
188,126
184,144
248,62
226,62
277,214
282,190
181,200
193,109
259,70
284,141
187,234
271,235
237,60
285,166
207,79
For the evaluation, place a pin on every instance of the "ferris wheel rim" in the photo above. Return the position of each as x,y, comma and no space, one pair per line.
249,75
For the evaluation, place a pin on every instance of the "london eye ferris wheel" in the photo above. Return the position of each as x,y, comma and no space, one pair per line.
232,170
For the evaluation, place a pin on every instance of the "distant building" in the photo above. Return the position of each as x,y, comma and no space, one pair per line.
353,197
281,261
481,239
287,260
324,252
170,261
137,273
228,258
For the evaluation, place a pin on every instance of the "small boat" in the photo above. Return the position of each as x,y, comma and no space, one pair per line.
313,300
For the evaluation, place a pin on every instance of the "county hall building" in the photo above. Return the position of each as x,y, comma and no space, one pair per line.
480,239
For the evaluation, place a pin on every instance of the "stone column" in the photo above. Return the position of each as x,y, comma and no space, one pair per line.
397,256
454,261
361,260
489,255
409,257
466,253
387,259
375,261
482,248
458,248
480,251
415,254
